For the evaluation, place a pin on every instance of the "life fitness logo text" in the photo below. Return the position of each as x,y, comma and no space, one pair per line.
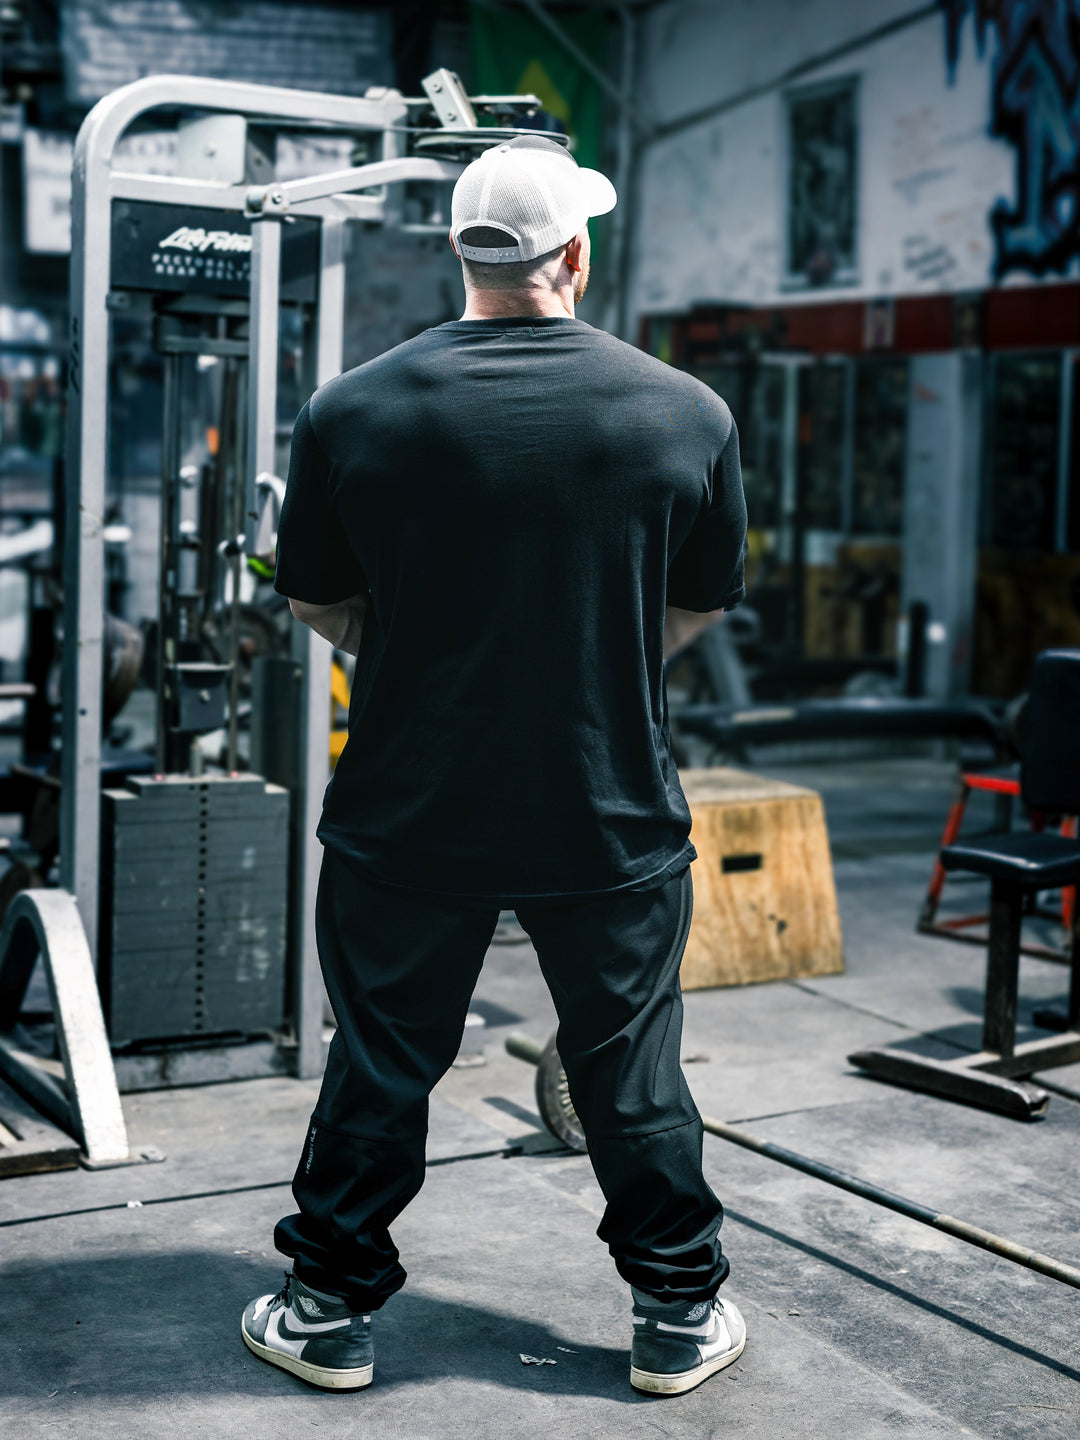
193,239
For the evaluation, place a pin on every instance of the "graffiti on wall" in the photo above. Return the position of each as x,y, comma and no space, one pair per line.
1036,108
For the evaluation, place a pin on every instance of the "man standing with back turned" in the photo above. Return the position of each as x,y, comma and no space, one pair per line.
501,518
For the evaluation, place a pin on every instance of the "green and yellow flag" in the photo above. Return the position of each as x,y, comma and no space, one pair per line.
513,55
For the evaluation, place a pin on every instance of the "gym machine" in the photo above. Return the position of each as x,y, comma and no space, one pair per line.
848,717
168,880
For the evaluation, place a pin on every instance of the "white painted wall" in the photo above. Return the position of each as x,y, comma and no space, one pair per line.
711,213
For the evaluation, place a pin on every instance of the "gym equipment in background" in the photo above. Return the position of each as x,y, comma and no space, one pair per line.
1018,864
208,259
195,890
1004,784
855,718
764,896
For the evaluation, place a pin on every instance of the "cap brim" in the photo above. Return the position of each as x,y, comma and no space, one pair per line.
598,191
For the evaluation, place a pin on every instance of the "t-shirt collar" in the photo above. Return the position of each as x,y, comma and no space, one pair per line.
513,322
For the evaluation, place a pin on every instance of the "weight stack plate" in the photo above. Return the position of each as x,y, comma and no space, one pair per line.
194,878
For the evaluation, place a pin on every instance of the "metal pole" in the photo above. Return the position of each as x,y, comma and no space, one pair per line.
262,371
617,309
1065,450
314,654
847,453
84,554
936,1219
524,1047
287,195
393,156
232,471
167,655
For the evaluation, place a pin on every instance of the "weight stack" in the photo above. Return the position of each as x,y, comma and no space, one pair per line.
194,878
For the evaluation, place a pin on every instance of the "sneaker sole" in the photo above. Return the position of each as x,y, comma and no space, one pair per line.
653,1384
319,1375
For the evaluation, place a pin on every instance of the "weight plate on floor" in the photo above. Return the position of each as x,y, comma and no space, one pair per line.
553,1100
124,647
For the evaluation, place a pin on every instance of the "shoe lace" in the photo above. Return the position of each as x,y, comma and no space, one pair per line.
285,1293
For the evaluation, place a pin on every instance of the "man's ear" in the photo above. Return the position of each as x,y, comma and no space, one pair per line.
573,253
453,247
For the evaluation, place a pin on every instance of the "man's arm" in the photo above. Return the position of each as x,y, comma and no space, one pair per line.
314,557
341,624
705,578
683,626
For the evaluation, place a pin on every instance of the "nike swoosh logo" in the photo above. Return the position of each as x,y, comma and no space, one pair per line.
719,1346
692,1332
294,1325
290,1336
276,1341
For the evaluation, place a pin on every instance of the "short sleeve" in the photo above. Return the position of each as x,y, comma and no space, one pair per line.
707,571
315,563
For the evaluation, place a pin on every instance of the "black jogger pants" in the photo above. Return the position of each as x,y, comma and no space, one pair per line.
400,971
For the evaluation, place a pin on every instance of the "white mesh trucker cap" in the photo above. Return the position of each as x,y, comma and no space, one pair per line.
534,189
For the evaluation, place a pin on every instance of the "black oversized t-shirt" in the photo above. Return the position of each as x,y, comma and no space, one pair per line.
520,499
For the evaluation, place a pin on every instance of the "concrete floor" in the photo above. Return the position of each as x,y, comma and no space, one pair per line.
123,1289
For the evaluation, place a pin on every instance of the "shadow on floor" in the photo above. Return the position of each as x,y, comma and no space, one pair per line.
125,1326
972,1000
900,1292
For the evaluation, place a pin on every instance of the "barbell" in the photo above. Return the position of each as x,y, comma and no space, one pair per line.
558,1114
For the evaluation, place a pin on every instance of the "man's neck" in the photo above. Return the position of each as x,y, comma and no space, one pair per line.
505,304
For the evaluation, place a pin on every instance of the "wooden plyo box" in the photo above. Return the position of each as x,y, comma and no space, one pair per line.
764,895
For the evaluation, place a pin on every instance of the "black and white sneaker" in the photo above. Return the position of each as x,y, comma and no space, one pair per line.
310,1334
677,1346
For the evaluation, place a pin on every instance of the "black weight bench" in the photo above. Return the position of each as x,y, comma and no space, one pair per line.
854,717
1018,864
